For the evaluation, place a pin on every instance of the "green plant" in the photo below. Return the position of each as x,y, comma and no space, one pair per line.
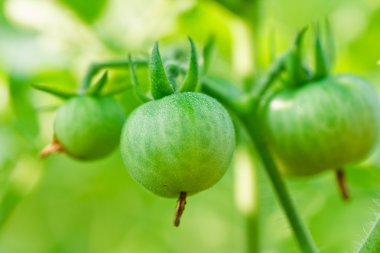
156,138
298,122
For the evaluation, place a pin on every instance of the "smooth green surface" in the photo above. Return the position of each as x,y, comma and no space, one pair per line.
181,143
323,125
89,127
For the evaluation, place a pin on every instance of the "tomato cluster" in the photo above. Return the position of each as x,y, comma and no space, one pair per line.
180,141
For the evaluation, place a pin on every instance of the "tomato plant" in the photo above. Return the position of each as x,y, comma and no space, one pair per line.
178,120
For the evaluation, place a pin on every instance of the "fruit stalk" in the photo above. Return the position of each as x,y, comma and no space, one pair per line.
181,203
53,147
342,184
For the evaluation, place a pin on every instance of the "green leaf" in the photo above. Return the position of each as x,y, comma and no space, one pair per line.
135,82
192,76
160,85
295,63
321,64
54,92
207,52
330,44
99,85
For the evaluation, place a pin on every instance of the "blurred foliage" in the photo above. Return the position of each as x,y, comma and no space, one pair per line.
87,12
60,205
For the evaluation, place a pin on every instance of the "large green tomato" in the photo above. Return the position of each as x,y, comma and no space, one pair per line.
322,125
89,127
181,143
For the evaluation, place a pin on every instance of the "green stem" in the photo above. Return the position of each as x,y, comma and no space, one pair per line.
372,243
96,67
268,79
251,122
301,233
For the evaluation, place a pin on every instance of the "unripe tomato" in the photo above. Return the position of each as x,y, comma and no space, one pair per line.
322,125
89,127
180,143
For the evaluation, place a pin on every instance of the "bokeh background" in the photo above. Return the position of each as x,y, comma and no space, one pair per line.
59,205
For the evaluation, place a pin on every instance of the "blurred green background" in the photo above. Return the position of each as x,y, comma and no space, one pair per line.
59,205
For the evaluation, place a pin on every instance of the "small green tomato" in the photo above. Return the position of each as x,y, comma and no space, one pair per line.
89,127
181,143
321,125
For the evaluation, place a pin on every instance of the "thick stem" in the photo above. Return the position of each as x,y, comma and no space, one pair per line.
301,233
342,184
181,203
372,242
250,121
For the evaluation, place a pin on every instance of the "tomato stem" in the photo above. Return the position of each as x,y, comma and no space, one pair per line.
180,208
257,136
342,184
275,70
53,147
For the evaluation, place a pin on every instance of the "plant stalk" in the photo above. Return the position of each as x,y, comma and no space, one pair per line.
301,233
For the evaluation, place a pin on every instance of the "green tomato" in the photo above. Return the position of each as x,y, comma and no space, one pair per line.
322,125
181,143
89,127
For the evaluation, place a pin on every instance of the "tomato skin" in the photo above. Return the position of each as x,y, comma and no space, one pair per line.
322,125
181,143
89,127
